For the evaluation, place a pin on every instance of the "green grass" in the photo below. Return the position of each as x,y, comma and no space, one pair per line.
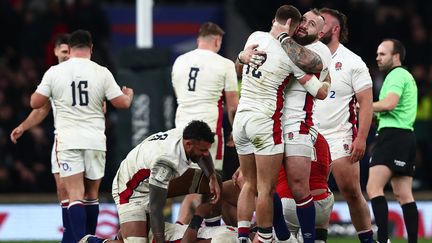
330,240
355,240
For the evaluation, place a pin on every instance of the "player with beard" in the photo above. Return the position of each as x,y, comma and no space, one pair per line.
300,133
258,135
297,119
351,83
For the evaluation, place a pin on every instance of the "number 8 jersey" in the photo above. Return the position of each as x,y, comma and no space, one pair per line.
200,78
77,88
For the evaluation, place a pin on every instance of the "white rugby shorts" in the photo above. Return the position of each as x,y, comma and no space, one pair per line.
74,161
54,160
340,147
136,207
297,144
257,133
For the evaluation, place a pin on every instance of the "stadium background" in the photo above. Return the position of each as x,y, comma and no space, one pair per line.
29,27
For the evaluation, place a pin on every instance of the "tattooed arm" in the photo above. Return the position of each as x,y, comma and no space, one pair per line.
160,176
305,59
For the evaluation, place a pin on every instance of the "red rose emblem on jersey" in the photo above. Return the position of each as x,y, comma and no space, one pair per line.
346,147
338,66
290,136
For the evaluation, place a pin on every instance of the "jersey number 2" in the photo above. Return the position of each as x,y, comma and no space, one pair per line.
332,94
81,86
193,73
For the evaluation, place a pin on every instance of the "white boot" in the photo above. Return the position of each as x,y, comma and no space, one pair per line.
292,239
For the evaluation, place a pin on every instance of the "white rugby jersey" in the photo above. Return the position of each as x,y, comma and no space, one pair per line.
262,88
326,57
200,78
175,232
299,104
336,115
78,88
163,147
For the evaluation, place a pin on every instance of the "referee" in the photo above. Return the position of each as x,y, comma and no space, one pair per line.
393,156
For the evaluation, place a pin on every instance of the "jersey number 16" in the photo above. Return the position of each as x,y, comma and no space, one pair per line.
82,93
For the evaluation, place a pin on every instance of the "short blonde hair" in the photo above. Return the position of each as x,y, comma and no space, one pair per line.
210,28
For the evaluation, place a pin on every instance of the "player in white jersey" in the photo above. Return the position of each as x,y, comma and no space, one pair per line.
61,51
299,130
337,118
204,82
78,88
140,186
257,126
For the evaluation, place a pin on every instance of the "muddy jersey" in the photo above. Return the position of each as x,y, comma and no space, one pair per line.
262,88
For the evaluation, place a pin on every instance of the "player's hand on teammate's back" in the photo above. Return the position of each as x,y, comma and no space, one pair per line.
358,148
16,133
252,56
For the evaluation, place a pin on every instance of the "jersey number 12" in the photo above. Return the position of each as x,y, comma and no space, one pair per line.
79,89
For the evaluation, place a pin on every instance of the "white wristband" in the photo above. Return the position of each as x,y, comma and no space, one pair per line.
313,85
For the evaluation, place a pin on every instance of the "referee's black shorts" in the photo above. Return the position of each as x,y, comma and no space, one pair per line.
396,149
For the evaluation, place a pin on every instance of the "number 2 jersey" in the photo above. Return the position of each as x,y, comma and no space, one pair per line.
77,88
200,78
336,115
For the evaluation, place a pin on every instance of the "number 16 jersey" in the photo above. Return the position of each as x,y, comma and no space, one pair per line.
78,88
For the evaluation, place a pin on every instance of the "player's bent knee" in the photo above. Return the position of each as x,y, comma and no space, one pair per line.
133,239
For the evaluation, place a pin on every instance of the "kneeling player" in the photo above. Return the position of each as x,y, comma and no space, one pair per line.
140,187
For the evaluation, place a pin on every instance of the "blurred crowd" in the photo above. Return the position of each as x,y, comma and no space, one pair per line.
29,28
26,51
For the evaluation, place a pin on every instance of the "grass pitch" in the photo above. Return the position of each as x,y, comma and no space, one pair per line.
330,240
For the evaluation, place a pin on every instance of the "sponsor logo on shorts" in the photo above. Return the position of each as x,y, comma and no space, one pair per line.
65,167
399,163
